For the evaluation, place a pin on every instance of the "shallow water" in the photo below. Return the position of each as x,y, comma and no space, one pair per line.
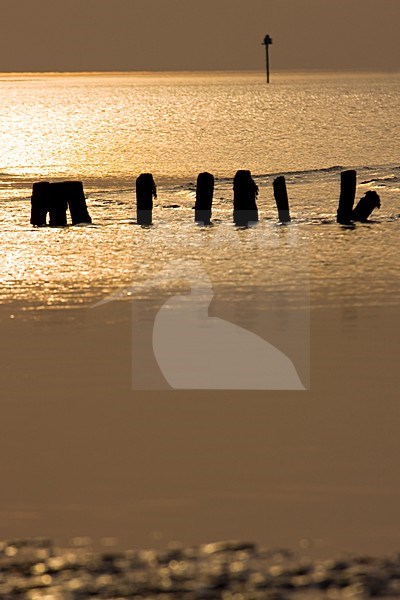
107,129
83,452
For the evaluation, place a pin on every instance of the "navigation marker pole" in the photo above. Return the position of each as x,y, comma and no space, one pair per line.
267,42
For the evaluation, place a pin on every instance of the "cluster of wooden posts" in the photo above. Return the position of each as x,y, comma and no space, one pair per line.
346,213
55,198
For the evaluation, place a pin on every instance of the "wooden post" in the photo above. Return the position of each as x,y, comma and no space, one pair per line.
365,206
145,191
204,198
348,183
281,199
73,192
57,205
245,192
40,203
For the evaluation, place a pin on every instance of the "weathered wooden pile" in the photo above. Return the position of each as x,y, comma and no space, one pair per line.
53,200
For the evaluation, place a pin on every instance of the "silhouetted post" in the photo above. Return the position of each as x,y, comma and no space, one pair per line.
348,183
74,195
145,191
267,42
204,198
365,206
245,192
281,199
40,203
57,205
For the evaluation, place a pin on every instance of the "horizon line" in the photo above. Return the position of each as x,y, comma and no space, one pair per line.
205,71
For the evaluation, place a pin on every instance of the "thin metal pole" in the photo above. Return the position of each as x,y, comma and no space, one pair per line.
267,42
267,59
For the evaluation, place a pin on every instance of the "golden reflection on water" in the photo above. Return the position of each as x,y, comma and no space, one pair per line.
106,129
77,266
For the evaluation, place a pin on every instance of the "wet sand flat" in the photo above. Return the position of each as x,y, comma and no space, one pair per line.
82,453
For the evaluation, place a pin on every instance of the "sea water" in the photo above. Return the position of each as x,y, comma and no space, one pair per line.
105,129
87,455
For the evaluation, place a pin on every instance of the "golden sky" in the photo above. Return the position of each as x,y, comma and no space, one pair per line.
81,35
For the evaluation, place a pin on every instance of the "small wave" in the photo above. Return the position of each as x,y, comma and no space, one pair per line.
384,173
391,181
372,175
